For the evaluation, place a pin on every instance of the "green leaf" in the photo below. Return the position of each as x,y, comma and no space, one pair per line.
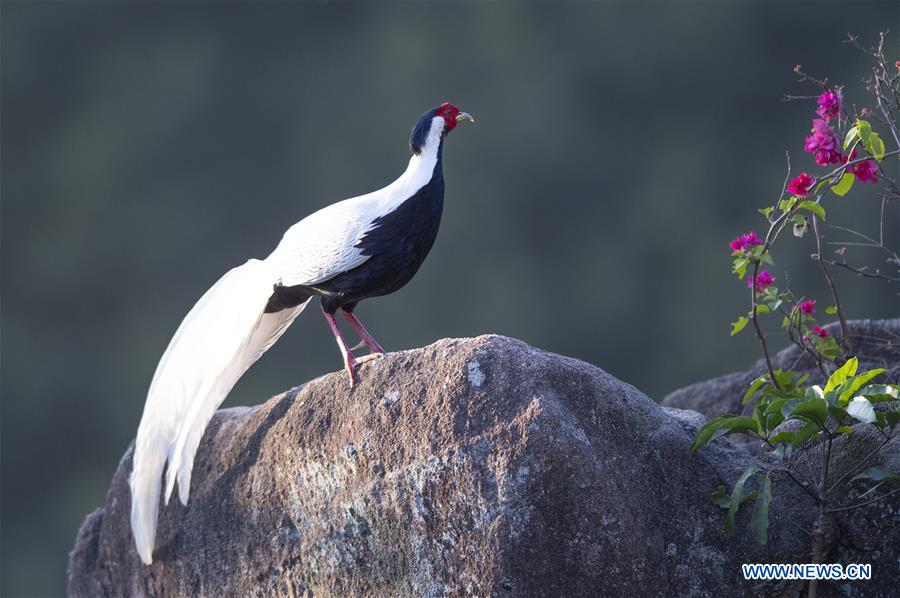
766,211
785,378
876,147
787,203
843,186
782,437
763,309
738,496
865,131
773,419
877,474
759,520
841,374
739,266
844,430
788,407
852,134
815,409
739,325
827,347
724,424
838,414
754,387
760,419
891,419
881,393
852,386
775,406
808,431
831,310
720,498
813,207
861,409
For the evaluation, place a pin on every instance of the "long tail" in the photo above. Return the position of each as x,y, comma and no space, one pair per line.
223,335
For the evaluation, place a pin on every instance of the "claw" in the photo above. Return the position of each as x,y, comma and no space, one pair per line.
350,363
351,371
368,357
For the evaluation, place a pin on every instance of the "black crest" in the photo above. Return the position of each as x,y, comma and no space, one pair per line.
420,131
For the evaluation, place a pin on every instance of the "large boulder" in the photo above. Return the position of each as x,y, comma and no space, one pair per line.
476,466
876,343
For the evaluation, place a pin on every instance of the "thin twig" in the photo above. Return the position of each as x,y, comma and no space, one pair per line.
845,333
856,466
862,504
862,272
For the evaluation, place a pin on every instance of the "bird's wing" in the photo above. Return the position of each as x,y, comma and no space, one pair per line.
324,244
220,338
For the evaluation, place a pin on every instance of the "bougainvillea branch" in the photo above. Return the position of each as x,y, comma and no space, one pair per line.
846,148
860,157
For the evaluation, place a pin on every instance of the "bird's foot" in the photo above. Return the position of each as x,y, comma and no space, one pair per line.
368,357
367,339
350,365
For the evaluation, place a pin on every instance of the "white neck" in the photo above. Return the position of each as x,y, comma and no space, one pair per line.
422,164
419,170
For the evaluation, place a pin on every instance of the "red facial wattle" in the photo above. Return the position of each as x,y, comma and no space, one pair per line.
449,112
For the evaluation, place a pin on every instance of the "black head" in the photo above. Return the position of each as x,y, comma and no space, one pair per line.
450,114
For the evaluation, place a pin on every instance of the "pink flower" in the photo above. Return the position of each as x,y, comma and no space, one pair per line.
799,185
763,280
826,157
819,331
823,136
808,307
829,105
744,242
866,171
824,143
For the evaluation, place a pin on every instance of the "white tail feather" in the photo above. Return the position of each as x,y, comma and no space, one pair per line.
220,338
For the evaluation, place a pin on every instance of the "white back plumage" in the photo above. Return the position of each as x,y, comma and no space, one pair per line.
227,331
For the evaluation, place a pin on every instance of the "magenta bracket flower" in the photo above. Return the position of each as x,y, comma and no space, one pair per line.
829,105
800,184
745,242
819,331
763,281
866,171
824,143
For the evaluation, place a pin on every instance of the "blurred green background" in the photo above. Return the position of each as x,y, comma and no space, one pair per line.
147,148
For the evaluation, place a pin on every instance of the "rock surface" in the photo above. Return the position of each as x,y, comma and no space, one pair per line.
876,343
476,466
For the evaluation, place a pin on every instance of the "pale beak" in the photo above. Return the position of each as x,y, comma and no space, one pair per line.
464,116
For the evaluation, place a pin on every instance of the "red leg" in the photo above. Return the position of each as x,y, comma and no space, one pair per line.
363,333
349,359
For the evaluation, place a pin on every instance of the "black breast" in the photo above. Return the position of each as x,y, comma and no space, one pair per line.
398,244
